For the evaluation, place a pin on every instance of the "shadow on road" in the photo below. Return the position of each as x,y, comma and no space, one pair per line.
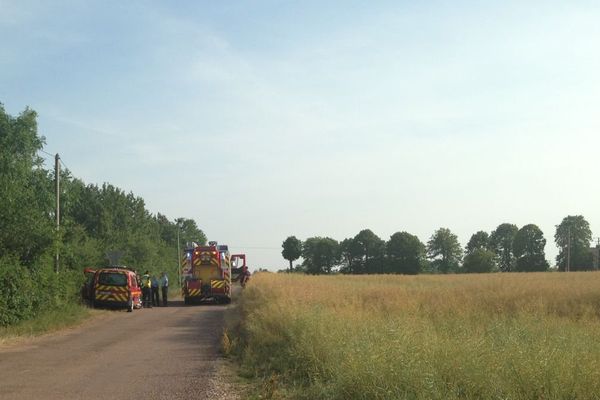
171,303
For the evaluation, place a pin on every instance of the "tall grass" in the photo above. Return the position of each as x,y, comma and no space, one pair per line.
493,336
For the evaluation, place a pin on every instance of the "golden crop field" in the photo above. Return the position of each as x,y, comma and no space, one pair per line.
489,336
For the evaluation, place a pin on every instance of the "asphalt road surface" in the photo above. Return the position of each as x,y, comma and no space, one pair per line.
159,353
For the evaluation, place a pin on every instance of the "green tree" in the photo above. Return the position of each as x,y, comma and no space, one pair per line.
528,248
578,230
445,251
292,250
405,253
501,242
189,231
479,240
479,260
98,220
372,250
351,258
77,246
320,255
167,229
26,199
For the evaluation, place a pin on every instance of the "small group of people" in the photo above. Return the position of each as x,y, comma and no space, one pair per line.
151,285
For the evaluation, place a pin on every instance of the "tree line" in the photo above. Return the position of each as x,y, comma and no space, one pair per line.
507,248
94,221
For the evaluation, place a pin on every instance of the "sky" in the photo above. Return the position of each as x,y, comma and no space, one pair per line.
266,119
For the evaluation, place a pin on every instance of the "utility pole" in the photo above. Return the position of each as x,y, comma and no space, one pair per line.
57,184
178,257
569,250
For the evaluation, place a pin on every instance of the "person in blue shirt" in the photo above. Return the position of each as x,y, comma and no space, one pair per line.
164,285
155,298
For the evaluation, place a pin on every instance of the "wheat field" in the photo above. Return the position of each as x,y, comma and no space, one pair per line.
488,336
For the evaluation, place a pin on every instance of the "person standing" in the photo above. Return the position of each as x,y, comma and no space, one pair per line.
244,276
155,298
164,285
147,290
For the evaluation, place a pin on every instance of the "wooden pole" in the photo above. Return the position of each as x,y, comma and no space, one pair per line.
57,184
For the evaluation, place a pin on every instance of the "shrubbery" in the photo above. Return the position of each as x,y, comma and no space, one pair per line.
16,301
26,293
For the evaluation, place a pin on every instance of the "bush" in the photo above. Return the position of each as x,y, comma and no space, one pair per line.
17,292
26,293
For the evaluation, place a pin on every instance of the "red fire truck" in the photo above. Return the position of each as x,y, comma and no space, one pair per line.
206,273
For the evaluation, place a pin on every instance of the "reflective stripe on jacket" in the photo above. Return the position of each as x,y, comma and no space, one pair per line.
146,281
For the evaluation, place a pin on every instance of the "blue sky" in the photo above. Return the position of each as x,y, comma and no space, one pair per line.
273,118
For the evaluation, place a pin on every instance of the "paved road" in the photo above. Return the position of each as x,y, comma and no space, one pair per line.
159,353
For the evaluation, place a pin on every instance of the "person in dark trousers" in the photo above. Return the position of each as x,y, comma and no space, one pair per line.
244,276
164,285
155,296
146,290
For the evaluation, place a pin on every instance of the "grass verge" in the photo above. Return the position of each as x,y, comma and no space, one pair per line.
493,336
67,315
245,385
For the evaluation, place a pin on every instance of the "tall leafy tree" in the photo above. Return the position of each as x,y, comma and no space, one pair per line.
479,260
292,249
372,249
479,240
320,255
501,242
405,253
26,196
528,248
578,230
78,246
166,229
445,250
189,231
351,256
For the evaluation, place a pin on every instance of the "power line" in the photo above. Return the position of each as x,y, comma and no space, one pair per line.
53,156
63,164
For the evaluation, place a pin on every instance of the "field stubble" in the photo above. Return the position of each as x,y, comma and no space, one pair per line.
492,336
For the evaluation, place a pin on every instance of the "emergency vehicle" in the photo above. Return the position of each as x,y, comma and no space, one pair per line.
206,273
115,287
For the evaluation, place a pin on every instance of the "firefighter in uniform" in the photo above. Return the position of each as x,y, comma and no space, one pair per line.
147,290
